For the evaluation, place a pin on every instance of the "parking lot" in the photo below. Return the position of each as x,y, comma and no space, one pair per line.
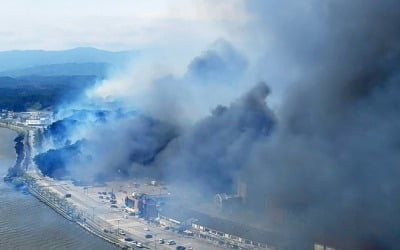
105,206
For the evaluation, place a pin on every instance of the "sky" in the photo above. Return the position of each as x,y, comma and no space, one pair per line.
116,25
171,33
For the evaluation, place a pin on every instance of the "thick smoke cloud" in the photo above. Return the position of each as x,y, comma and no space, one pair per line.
331,171
211,152
220,64
325,170
17,169
135,139
214,77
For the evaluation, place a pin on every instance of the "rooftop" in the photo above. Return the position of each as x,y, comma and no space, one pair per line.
222,225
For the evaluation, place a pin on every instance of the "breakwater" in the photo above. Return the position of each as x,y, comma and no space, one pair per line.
69,211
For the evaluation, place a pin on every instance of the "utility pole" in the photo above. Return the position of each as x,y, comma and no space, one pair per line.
155,241
93,213
118,227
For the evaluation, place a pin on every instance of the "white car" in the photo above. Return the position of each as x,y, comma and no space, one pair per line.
146,229
171,242
139,245
122,232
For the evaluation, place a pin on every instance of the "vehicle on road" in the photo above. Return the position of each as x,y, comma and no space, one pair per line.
148,236
180,248
146,229
121,232
171,242
161,241
68,196
114,206
139,245
128,239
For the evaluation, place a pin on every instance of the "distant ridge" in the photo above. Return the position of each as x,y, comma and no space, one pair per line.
23,59
66,69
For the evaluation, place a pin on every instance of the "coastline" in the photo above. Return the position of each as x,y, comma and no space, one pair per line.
78,204
67,210
53,200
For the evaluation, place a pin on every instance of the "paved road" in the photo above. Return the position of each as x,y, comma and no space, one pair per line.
88,201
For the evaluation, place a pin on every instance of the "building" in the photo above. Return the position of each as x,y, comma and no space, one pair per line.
142,205
318,246
36,119
41,122
220,230
228,203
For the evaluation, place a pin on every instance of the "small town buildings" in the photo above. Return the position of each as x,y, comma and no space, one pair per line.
37,119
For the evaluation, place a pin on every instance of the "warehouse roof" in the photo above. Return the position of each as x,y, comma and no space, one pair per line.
219,224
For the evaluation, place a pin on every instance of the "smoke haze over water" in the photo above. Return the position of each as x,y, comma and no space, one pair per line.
325,158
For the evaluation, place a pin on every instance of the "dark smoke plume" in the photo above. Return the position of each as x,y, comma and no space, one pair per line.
332,169
212,152
17,170
327,169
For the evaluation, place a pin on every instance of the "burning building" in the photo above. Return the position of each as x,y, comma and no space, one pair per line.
142,205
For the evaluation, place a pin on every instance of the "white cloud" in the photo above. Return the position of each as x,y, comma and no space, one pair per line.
120,24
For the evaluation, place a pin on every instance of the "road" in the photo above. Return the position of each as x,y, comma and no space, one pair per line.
87,200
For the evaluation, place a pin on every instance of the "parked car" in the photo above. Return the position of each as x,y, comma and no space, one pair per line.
148,236
180,248
139,245
171,242
161,241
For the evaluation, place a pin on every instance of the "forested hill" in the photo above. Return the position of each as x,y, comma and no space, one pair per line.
64,69
41,92
40,79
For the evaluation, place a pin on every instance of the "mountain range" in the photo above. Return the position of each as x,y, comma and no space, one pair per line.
77,61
